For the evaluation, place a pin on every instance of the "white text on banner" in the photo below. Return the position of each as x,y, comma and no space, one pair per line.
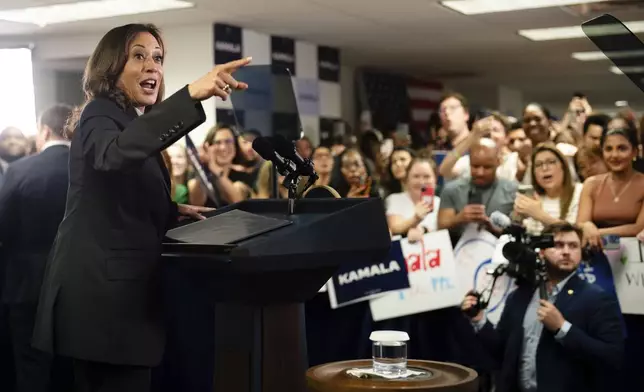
432,278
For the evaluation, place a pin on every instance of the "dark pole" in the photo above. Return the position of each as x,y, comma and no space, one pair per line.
275,182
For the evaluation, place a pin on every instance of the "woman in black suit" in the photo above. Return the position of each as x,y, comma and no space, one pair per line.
101,299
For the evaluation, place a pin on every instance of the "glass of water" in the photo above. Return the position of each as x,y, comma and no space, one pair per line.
389,352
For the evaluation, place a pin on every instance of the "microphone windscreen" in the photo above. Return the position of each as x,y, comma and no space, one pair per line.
500,220
264,148
284,147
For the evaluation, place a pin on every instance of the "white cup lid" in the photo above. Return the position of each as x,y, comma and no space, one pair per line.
389,336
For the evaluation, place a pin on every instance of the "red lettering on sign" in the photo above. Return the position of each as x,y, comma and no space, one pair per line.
426,259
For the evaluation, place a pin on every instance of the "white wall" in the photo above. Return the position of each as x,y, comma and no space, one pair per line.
44,86
189,56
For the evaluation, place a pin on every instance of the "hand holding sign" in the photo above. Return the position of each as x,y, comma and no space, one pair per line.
415,234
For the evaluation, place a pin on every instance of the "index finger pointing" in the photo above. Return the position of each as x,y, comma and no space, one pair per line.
235,65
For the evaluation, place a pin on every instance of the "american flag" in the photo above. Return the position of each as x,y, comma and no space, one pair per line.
385,96
423,100
395,99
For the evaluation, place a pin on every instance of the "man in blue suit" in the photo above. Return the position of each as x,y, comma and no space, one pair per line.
32,205
573,341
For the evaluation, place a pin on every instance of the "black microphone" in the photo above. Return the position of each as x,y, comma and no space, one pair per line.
287,150
265,149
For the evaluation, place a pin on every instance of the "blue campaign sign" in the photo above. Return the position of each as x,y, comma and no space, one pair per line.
598,271
361,281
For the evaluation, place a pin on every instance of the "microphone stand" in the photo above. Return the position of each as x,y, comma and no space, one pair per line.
275,192
290,182
542,279
485,295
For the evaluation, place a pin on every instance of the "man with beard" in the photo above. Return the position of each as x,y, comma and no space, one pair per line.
572,340
13,146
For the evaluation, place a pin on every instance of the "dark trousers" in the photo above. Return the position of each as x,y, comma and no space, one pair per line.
102,377
7,369
36,371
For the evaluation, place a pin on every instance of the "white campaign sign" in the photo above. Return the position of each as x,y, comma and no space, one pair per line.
628,274
476,253
432,277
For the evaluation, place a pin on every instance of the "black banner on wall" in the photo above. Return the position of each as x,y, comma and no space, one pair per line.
287,125
282,55
327,126
228,43
386,98
328,64
231,118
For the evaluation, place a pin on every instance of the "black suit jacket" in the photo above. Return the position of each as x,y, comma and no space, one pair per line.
32,204
101,299
589,355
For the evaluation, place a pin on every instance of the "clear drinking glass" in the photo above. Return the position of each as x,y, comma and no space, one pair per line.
389,352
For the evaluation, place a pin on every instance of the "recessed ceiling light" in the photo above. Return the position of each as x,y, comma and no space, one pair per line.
569,32
627,70
595,56
621,104
87,10
473,7
589,56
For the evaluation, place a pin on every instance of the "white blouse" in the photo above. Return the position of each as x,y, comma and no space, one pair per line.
400,204
552,207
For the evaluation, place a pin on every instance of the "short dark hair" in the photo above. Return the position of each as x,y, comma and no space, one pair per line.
460,97
563,227
106,64
515,126
55,117
599,119
543,109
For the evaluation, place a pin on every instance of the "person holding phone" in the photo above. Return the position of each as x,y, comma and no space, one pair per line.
352,179
101,302
413,212
472,200
494,126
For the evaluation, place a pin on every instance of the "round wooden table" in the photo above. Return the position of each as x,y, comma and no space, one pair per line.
440,376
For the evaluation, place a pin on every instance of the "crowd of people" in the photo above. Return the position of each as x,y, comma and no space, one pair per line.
541,170
584,169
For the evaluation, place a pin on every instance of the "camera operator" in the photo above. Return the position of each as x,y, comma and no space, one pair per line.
582,343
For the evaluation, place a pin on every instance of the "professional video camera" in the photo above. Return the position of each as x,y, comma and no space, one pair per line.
525,264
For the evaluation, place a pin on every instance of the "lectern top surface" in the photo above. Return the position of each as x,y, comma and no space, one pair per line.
228,228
